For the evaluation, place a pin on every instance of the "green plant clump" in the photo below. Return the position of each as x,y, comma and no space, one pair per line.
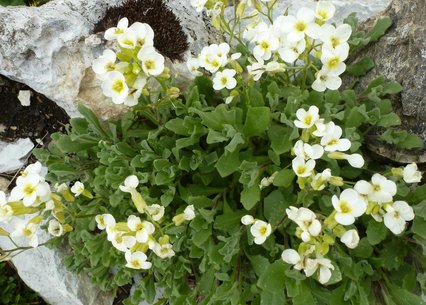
250,186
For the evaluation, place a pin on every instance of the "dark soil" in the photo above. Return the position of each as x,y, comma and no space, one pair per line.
169,39
37,121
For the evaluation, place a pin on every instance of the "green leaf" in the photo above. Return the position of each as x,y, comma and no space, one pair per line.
284,178
419,227
274,207
305,296
93,121
255,97
177,126
404,297
361,67
392,88
376,232
257,121
273,277
228,163
388,120
250,196
12,2
281,138
379,29
402,138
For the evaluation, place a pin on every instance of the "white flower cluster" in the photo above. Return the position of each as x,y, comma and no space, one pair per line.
214,59
259,229
379,195
136,236
309,265
289,41
124,81
31,196
326,138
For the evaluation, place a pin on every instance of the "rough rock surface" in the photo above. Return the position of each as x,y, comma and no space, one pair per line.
50,48
42,269
401,55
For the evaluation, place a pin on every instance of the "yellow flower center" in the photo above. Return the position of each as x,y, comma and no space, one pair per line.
27,232
128,42
300,26
224,80
301,169
344,207
376,187
149,64
265,45
323,15
308,120
332,142
263,230
333,63
136,263
110,66
29,189
335,42
117,86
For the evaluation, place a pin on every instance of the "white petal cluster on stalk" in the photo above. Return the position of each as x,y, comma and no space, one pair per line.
259,229
306,220
124,81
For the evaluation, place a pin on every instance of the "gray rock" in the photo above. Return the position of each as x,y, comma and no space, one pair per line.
50,48
12,155
43,270
401,55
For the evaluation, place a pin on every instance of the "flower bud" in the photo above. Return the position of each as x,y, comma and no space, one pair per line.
173,92
247,220
350,239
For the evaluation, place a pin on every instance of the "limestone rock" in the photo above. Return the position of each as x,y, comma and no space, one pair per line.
50,48
43,270
400,55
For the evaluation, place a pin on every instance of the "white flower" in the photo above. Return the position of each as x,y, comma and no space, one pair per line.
156,211
411,174
55,228
324,266
334,37
27,231
325,80
291,51
225,79
152,62
348,206
193,65
6,211
137,260
323,128
36,169
135,91
198,4
123,242
260,231
105,220
333,59
247,220
130,184
29,189
380,190
306,220
350,238
214,57
164,251
299,26
77,188
142,228
104,63
266,43
320,180
332,141
253,30
144,34
307,151
115,87
114,32
291,256
189,212
325,10
397,215
306,119
127,39
355,160
301,168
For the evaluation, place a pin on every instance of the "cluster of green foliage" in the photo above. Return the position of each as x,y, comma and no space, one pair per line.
194,150
13,291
